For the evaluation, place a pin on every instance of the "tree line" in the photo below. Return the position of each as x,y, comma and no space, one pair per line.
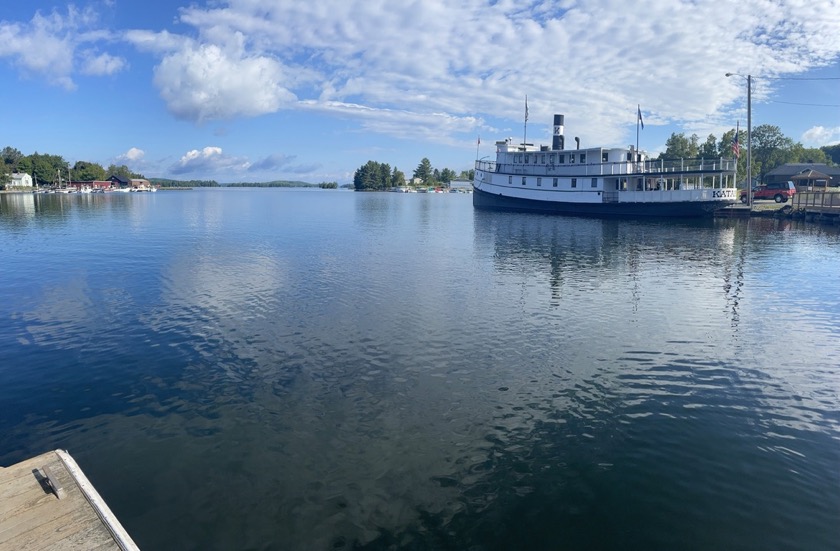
770,149
48,169
374,176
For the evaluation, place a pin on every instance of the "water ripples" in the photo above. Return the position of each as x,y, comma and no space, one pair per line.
407,372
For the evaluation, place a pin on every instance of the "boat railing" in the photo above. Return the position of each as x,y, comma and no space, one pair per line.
623,168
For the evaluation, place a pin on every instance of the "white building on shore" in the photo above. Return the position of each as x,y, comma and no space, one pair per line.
20,179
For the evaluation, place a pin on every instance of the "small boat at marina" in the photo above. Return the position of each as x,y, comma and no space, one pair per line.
600,181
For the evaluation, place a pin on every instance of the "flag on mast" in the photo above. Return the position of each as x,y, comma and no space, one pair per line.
641,121
526,108
736,146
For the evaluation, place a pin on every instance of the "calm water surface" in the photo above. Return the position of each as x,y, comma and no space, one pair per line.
275,369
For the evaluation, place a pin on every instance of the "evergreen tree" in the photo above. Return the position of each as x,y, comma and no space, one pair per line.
447,175
424,170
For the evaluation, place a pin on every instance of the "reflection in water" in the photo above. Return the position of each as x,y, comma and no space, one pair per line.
335,370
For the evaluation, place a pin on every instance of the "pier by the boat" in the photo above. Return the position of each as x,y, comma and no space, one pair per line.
47,502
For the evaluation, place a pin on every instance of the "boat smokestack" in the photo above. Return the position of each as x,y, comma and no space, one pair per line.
577,142
559,140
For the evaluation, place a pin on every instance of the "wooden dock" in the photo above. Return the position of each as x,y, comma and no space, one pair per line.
821,203
48,503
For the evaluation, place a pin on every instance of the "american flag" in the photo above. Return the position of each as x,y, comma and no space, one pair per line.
736,147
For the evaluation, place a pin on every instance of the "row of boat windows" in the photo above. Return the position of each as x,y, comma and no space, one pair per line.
554,181
560,158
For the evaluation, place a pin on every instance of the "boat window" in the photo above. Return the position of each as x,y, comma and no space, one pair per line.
542,160
561,159
551,158
605,157
555,182
594,182
527,158
574,182
583,157
539,181
572,158
523,180
510,180
629,156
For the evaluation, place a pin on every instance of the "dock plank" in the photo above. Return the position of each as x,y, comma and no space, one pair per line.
32,517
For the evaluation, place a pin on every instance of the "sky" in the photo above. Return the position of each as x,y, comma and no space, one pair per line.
261,90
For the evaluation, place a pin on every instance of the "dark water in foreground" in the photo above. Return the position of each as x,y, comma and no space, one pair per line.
264,369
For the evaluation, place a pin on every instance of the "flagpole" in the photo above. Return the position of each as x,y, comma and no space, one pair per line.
525,130
638,119
476,147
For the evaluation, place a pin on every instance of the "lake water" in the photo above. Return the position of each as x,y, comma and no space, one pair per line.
296,370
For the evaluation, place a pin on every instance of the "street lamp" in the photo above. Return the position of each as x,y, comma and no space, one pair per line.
749,136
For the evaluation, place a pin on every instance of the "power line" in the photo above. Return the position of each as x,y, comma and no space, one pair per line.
808,104
799,78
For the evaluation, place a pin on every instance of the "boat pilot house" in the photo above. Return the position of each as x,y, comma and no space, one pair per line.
600,181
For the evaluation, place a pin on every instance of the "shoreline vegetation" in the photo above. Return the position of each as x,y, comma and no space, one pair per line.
770,149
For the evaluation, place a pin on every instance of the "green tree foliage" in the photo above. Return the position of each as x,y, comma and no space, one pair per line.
466,175
447,175
328,185
86,172
725,150
11,159
372,176
833,152
48,169
770,148
710,149
424,171
801,154
680,147
397,178
122,171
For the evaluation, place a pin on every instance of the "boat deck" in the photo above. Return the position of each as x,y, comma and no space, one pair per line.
47,502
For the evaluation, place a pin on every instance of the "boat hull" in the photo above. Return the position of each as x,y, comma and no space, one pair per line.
681,209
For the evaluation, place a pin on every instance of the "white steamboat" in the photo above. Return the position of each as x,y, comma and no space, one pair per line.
600,181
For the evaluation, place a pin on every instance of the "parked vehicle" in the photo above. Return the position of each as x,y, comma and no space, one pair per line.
779,192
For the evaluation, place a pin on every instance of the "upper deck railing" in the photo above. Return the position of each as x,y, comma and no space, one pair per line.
623,168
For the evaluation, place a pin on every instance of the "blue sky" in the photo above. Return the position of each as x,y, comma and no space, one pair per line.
257,90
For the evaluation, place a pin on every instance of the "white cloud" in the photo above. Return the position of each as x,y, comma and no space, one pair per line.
203,82
49,46
207,161
438,70
435,68
132,155
101,64
819,136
